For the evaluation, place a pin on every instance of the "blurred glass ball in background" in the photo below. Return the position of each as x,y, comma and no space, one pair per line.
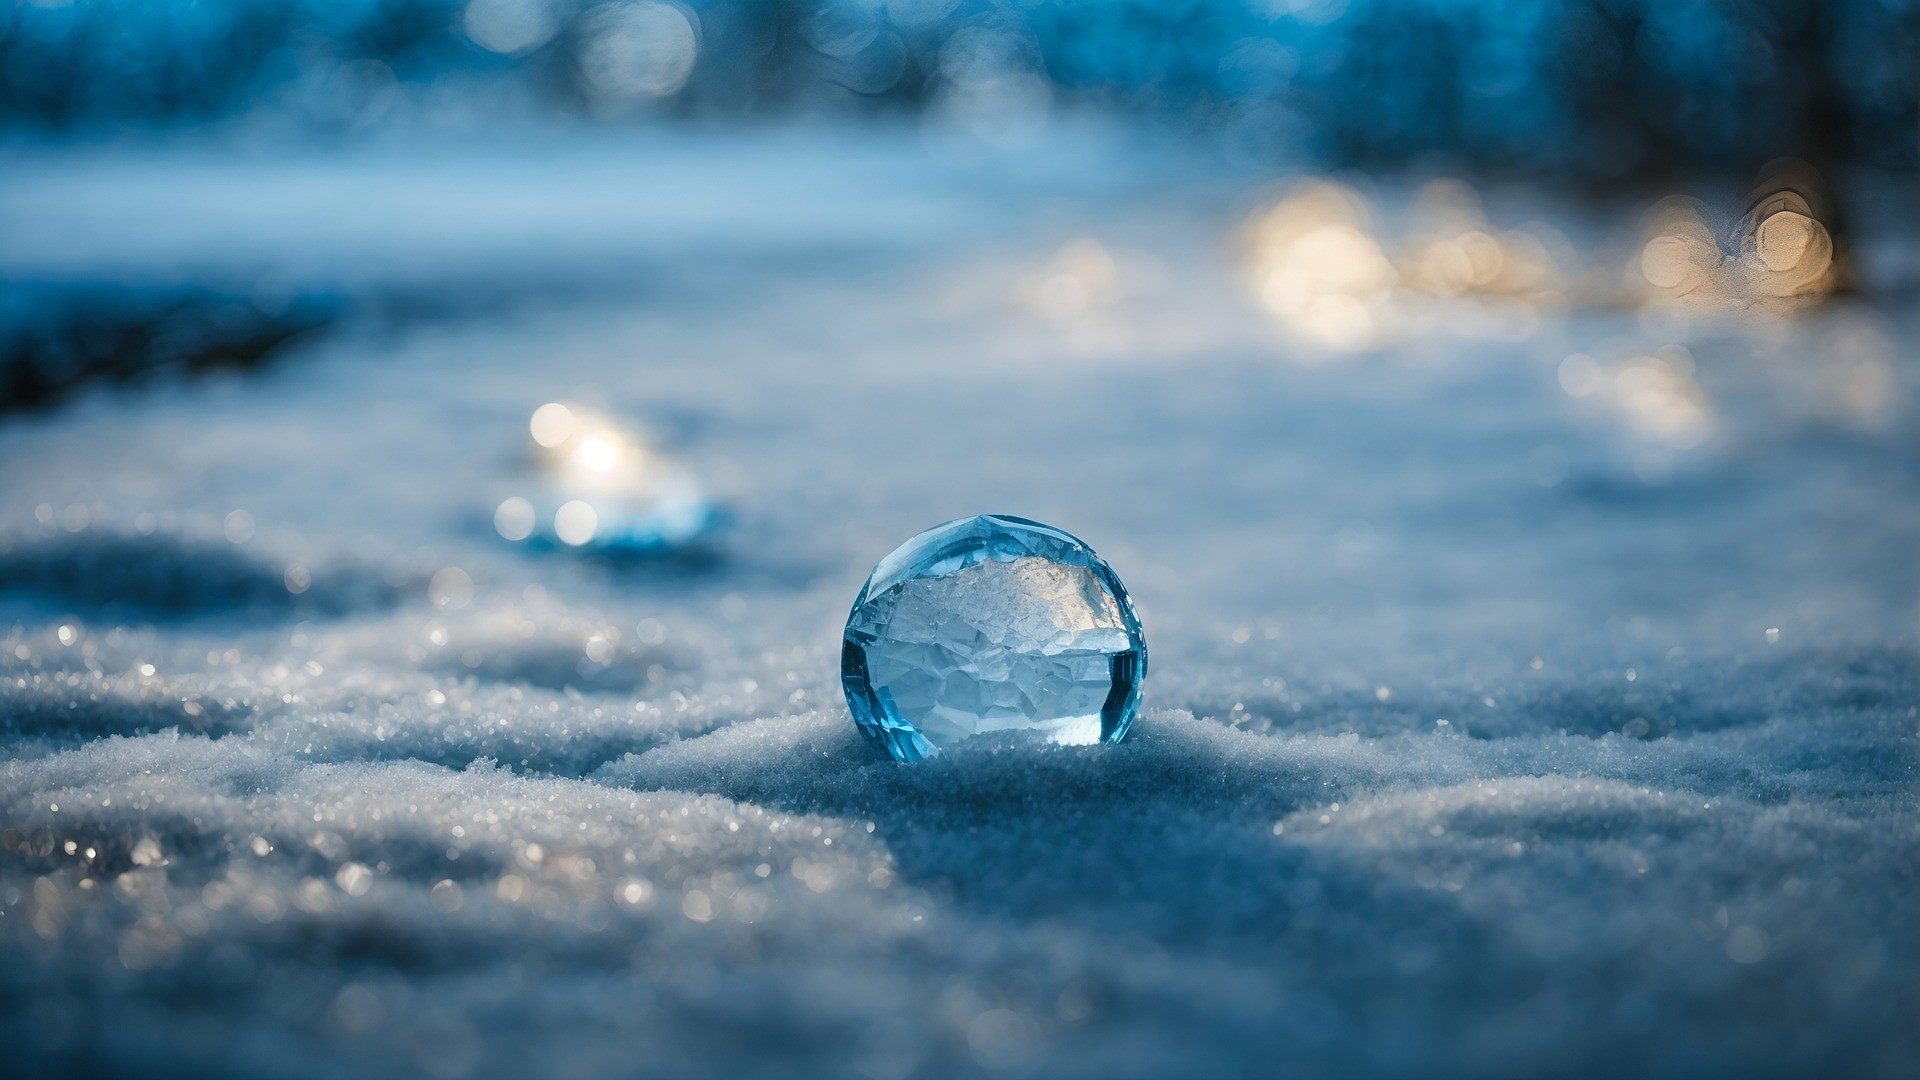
603,488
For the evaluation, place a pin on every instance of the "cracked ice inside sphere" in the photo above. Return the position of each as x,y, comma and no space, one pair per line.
992,625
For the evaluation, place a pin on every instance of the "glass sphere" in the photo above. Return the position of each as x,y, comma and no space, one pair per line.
992,625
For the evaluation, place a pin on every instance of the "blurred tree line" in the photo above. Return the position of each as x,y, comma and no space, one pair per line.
1587,90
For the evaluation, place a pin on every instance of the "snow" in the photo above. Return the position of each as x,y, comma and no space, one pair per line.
1491,729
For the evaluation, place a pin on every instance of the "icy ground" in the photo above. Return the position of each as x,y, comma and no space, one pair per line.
1491,728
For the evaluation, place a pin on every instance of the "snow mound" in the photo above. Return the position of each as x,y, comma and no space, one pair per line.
175,573
1486,733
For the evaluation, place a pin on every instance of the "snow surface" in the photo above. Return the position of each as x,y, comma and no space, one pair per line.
1489,731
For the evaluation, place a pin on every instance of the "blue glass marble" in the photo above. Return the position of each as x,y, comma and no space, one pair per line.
992,625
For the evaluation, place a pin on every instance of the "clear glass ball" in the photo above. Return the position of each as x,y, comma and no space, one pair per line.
992,625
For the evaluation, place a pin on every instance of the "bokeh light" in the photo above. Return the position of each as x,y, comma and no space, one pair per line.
1565,88
600,485
1780,250
1313,263
638,51
576,522
512,27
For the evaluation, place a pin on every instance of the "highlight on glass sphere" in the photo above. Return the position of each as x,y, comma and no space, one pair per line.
604,488
992,626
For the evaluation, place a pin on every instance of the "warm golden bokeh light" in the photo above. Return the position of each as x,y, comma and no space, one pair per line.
1659,397
1680,257
1455,251
1653,395
1784,249
1781,250
1314,264
1318,263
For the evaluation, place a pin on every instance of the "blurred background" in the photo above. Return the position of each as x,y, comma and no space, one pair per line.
1612,104
439,442
1576,92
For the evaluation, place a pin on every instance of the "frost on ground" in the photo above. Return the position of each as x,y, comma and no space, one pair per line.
1492,728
